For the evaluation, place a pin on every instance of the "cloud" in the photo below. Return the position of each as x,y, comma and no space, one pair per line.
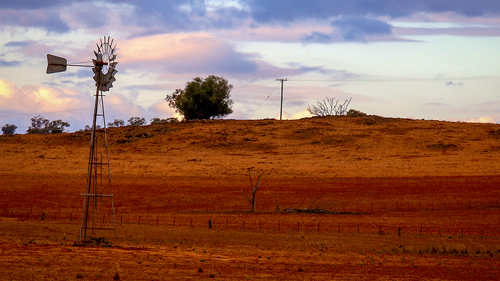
4,63
15,44
265,11
355,29
450,83
484,119
48,19
186,53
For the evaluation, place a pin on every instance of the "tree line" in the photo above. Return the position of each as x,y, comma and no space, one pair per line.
207,98
41,125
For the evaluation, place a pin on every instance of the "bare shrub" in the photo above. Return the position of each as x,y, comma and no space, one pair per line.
329,107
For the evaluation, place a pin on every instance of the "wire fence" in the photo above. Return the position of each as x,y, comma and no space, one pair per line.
344,223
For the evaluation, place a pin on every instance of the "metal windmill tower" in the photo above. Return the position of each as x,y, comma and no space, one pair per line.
98,196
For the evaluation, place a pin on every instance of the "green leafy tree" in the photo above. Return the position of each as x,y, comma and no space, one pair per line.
137,121
207,98
9,129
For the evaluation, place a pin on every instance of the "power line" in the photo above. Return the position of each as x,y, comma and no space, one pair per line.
396,79
281,105
263,101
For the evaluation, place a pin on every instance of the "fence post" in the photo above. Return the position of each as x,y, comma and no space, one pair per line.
339,228
156,219
173,225
139,222
358,229
399,231
318,227
420,231
209,223
298,226
227,219
279,225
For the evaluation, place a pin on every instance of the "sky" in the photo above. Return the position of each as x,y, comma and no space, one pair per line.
421,59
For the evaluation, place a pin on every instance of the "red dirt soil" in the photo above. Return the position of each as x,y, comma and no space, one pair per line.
407,199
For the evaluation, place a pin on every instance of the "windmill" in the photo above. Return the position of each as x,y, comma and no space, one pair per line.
98,189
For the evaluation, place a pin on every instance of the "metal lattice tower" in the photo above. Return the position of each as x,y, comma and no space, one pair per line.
98,215
98,196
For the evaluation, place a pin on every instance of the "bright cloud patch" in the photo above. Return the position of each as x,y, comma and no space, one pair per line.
186,53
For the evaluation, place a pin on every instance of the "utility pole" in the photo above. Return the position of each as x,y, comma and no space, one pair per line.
281,106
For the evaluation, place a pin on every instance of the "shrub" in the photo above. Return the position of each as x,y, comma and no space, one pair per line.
9,129
156,121
329,107
355,113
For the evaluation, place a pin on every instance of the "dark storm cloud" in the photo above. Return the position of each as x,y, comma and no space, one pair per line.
276,11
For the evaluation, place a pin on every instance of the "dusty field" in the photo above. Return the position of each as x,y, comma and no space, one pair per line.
436,182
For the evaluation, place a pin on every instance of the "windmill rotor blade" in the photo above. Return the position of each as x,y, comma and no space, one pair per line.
95,53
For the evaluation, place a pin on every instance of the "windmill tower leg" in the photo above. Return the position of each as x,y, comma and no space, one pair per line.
98,196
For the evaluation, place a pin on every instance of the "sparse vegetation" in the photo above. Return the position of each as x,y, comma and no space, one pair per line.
9,129
137,121
329,107
41,125
355,113
156,121
116,123
207,98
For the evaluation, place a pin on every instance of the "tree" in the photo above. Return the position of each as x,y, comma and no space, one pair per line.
156,121
9,129
203,99
38,125
56,126
329,107
116,123
137,121
252,200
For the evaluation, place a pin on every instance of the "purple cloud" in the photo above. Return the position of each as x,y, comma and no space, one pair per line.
355,29
274,11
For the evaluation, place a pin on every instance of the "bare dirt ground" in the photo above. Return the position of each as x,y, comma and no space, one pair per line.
408,200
